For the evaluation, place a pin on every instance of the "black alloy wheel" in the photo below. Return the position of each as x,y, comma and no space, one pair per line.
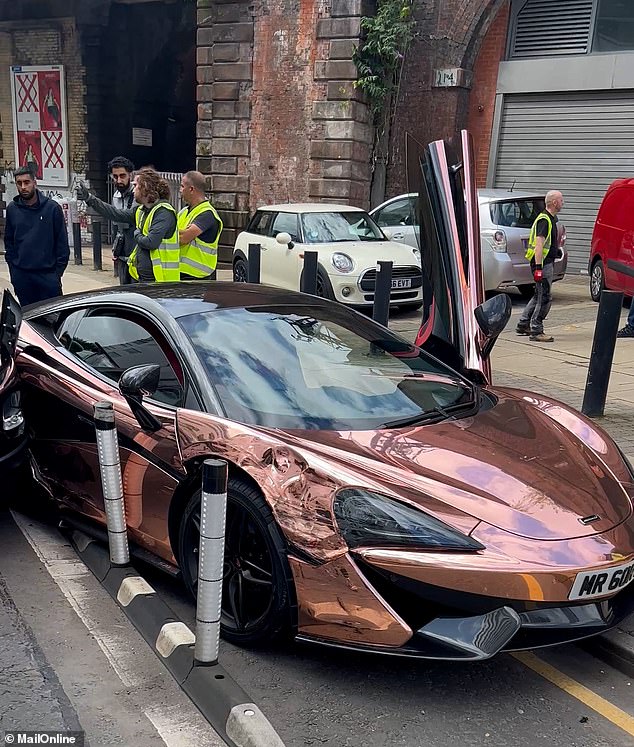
257,594
240,271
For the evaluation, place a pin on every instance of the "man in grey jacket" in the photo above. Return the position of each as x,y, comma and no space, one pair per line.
121,169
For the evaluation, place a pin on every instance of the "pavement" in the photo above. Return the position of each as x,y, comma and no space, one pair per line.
557,369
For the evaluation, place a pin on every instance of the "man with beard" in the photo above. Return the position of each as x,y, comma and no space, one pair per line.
121,169
36,242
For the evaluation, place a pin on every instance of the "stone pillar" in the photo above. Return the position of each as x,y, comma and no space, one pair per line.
341,155
223,147
279,119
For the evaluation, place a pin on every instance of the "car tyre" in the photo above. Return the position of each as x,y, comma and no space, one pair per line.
258,596
597,280
324,286
240,271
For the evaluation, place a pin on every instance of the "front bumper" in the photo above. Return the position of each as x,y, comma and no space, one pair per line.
358,290
503,271
392,614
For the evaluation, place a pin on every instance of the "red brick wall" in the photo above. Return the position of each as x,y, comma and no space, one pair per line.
482,99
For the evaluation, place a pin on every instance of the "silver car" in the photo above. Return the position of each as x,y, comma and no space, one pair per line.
505,222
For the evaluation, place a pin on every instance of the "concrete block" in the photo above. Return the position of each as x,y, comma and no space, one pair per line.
204,92
229,183
224,128
231,110
231,32
224,201
223,165
232,71
205,74
343,49
225,52
234,218
348,130
346,170
343,90
336,69
353,8
230,147
340,149
337,28
344,109
225,92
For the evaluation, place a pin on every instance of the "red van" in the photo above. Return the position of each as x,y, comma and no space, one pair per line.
613,241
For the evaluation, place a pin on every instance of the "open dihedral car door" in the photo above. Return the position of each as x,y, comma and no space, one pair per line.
457,326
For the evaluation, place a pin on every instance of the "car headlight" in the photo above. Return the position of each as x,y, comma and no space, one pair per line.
369,519
342,262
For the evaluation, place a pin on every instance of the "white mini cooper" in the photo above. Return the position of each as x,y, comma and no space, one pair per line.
349,245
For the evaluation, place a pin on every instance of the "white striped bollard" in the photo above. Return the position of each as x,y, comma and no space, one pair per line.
213,518
110,466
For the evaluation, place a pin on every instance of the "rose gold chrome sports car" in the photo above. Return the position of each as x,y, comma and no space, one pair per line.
382,496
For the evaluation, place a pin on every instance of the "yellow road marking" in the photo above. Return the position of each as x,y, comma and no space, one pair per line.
589,698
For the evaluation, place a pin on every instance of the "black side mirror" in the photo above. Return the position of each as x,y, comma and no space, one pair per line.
134,384
492,317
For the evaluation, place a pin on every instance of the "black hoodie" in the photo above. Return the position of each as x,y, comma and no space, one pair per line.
35,236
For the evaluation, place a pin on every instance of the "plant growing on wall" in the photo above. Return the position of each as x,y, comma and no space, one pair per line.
379,61
386,36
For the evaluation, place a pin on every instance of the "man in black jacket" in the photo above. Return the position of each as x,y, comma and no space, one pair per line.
36,242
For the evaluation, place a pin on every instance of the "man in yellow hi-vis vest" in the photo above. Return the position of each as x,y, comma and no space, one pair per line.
199,229
543,250
156,254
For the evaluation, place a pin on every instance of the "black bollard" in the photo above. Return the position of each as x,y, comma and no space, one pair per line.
77,243
602,353
96,245
382,290
309,275
253,269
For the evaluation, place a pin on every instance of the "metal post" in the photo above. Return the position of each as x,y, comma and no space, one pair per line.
96,245
77,243
110,466
602,353
213,514
382,290
253,269
309,275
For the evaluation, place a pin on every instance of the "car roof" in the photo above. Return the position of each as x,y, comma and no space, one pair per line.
180,299
310,207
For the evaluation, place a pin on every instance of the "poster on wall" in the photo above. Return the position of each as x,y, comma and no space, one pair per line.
40,123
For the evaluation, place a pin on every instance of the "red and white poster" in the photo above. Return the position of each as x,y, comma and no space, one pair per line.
40,124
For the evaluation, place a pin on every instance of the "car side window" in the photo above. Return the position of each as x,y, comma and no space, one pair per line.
260,223
396,214
286,223
111,343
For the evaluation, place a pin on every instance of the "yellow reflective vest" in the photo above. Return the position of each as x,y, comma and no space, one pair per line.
199,258
532,238
165,259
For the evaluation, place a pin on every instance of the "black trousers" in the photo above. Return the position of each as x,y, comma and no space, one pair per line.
32,286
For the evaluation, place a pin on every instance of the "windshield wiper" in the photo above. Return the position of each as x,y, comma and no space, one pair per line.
437,413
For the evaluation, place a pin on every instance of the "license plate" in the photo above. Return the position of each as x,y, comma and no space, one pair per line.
599,583
402,283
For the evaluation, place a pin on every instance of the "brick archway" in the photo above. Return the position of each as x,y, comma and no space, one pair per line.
449,34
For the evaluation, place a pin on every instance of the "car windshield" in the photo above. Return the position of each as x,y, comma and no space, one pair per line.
516,213
326,228
316,367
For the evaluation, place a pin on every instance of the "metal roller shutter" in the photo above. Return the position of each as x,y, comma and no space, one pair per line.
576,142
